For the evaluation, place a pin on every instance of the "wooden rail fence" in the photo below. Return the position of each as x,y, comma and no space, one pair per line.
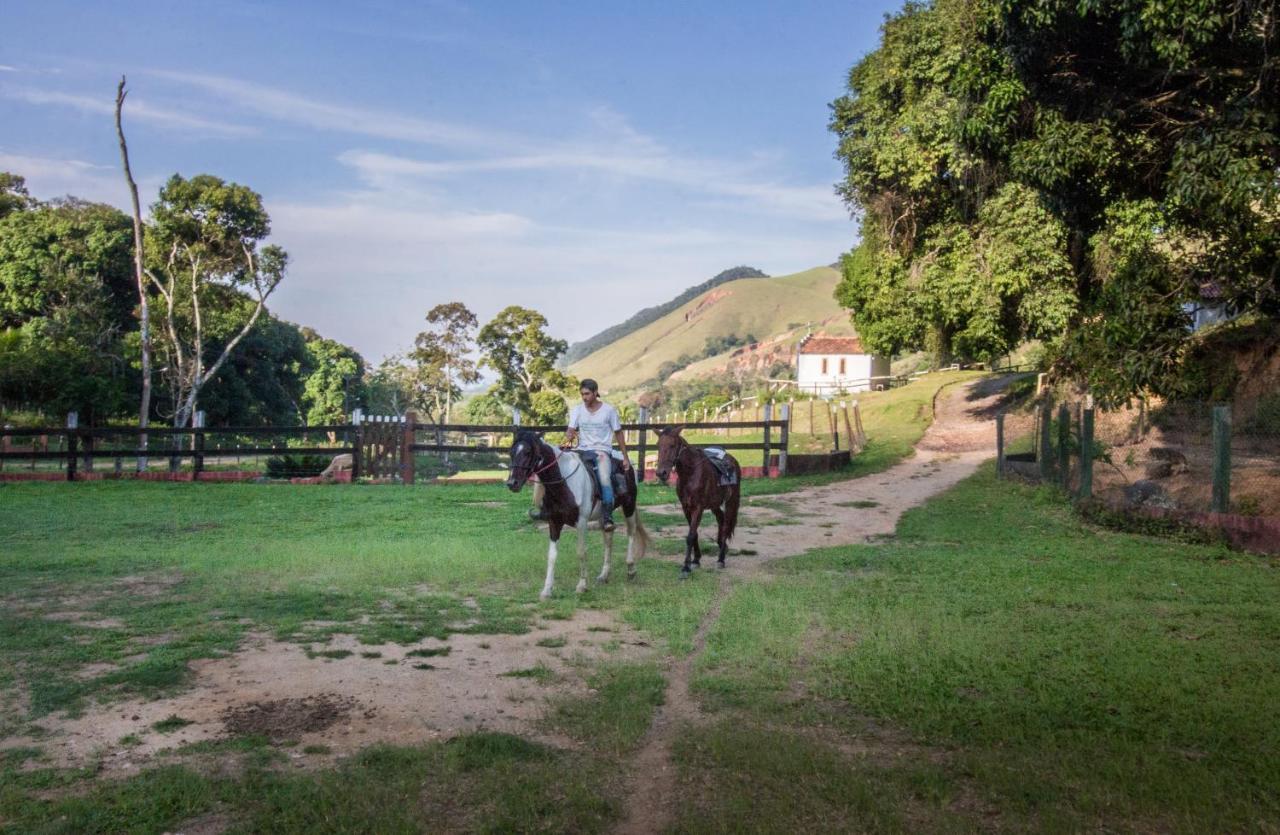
381,447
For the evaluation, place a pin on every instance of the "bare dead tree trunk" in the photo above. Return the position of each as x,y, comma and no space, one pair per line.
144,409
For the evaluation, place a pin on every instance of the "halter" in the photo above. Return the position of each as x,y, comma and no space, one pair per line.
554,461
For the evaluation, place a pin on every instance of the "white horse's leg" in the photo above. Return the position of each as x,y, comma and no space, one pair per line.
608,556
631,547
582,557
551,571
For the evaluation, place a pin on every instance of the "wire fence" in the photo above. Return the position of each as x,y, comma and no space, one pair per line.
1170,455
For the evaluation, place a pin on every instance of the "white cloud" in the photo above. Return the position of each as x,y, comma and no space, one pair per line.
285,106
7,68
616,150
48,178
365,270
134,109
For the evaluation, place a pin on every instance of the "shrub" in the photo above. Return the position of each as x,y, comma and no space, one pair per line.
296,466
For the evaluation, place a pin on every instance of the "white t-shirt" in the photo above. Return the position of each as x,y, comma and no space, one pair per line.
595,429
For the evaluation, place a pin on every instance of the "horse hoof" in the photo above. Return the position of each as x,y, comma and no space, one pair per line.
603,579
546,595
685,574
720,565
581,589
631,575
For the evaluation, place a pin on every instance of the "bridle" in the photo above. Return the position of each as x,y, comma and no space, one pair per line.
682,446
555,459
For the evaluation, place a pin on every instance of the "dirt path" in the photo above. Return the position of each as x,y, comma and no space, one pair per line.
961,437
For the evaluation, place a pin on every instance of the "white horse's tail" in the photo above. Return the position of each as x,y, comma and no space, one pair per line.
640,535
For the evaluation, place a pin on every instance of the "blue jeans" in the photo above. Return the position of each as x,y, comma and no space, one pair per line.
604,471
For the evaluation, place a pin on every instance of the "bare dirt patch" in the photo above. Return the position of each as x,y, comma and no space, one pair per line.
377,694
281,719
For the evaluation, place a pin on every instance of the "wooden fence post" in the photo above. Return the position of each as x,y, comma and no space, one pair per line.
1064,444
1086,453
1043,450
835,427
642,443
197,445
768,416
1222,459
357,444
857,422
1000,445
813,427
854,446
785,440
73,422
407,469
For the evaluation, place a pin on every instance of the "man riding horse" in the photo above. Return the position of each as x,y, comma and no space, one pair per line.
594,426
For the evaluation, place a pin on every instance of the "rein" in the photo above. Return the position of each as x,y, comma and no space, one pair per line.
554,461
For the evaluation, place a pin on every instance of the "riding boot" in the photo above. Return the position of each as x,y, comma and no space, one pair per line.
606,516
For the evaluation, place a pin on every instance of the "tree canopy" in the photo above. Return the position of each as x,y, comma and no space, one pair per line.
1074,172
516,346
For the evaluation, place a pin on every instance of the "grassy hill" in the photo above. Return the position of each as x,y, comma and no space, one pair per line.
763,307
578,350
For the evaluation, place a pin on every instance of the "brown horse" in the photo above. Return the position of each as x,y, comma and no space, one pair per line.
699,490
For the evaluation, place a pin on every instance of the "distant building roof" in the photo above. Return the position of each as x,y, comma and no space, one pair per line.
831,345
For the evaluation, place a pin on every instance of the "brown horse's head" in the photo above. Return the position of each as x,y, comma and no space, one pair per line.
669,445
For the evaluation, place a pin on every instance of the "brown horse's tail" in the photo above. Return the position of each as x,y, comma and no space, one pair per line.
731,503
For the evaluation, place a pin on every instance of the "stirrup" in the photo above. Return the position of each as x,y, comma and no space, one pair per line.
607,524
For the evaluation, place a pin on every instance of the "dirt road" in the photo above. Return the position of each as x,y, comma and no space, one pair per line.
961,437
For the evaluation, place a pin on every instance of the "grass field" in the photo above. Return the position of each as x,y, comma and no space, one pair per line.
998,665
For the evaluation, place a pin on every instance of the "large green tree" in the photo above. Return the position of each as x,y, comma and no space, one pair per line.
442,356
206,238
65,306
1076,171
517,347
953,258
334,380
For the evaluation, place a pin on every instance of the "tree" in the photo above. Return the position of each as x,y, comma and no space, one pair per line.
391,386
1069,171
441,354
65,300
953,259
518,349
139,277
333,381
13,193
207,233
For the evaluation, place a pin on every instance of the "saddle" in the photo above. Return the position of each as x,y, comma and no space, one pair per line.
725,471
617,473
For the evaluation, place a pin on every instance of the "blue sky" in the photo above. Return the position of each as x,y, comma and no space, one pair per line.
583,159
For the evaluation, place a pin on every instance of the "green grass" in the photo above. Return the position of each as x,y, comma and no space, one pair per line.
996,664
540,673
171,724
1074,678
617,714
511,783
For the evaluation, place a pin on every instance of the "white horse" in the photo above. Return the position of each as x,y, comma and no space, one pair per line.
569,501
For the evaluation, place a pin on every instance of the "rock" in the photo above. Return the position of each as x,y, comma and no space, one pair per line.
1174,458
1148,494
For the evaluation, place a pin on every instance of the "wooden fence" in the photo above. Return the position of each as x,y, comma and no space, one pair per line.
381,447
